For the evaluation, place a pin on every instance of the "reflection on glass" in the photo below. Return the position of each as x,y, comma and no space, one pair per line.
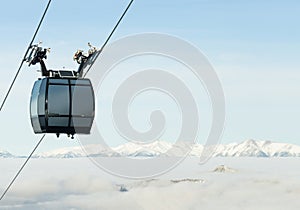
82,101
58,100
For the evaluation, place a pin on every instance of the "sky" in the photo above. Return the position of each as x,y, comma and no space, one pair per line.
254,47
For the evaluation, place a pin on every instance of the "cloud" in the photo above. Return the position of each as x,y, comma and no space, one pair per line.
56,193
73,184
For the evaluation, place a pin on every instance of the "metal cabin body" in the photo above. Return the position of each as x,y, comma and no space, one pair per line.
62,105
61,102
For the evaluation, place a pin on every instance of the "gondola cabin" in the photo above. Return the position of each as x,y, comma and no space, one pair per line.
62,102
62,105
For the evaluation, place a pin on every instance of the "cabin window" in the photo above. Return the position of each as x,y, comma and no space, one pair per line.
82,101
58,100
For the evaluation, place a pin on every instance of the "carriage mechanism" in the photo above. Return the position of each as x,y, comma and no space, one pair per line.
62,101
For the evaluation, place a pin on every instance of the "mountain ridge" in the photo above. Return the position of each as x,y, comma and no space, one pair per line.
248,148
5,154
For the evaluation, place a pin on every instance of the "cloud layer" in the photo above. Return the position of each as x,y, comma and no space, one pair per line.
70,184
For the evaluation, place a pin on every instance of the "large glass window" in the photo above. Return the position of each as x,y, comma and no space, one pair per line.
58,100
82,101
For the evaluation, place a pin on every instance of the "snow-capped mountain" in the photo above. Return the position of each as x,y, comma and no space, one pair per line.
249,148
5,154
146,150
74,152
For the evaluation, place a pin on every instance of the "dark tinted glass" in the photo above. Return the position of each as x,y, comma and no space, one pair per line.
66,73
82,101
80,82
81,122
58,121
58,81
58,100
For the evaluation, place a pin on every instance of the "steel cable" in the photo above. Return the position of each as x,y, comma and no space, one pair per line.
24,58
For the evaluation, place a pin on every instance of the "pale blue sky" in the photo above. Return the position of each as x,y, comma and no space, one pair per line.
253,45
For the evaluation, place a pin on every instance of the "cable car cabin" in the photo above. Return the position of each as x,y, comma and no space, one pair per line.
62,101
62,105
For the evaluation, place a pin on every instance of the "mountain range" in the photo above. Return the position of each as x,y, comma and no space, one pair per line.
5,154
248,148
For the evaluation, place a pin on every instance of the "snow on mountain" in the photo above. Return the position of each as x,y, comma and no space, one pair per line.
249,148
146,150
5,154
71,152
75,152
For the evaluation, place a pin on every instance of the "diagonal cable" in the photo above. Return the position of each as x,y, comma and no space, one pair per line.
109,37
20,170
9,90
40,141
24,58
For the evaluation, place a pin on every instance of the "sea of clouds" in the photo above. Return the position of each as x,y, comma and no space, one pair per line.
245,183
